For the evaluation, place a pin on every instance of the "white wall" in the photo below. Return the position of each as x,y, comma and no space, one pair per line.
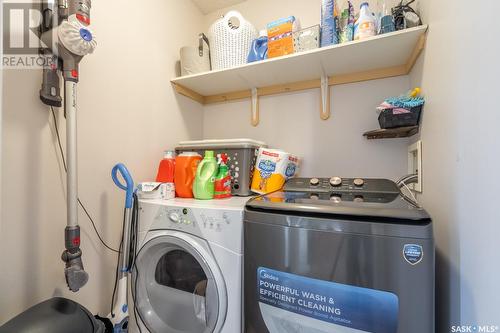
1,113
333,147
459,73
261,12
127,113
292,122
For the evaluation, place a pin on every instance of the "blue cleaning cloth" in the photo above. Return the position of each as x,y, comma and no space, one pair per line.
405,101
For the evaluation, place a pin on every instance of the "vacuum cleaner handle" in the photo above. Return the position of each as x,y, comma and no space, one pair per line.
129,183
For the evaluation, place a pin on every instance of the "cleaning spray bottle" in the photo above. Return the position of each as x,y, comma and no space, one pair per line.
203,186
365,26
223,179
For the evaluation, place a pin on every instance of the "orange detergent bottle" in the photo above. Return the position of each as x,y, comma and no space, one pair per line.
185,173
166,169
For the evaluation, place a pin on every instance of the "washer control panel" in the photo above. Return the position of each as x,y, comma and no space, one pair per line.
213,223
338,184
188,219
180,216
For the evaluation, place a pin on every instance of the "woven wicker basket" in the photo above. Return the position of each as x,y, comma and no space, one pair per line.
230,38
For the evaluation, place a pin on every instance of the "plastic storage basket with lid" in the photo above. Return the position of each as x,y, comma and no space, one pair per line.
230,38
242,154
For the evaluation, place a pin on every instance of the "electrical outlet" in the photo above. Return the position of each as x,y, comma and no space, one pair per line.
415,164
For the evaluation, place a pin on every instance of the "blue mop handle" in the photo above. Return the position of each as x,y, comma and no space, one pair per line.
129,187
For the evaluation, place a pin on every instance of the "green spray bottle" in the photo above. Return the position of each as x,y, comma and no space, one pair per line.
203,186
223,179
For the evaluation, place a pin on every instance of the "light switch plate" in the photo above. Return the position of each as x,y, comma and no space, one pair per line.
415,164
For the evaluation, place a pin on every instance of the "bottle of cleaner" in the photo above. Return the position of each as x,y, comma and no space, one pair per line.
387,20
204,183
223,179
365,26
346,23
258,51
167,168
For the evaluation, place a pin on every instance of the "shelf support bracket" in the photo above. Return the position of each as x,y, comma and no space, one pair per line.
255,107
325,97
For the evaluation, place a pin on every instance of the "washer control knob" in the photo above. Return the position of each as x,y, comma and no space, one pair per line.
174,217
359,182
359,199
335,181
336,198
314,181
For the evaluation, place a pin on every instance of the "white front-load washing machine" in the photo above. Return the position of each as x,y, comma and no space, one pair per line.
188,270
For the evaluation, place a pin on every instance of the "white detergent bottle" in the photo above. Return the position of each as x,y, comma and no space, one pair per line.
365,26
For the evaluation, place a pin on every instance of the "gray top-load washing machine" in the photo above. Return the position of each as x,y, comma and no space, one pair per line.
338,256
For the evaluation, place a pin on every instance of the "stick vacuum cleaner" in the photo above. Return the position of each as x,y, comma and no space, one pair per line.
67,38
119,316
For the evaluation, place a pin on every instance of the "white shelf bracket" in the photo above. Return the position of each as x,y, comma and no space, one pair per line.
325,97
255,107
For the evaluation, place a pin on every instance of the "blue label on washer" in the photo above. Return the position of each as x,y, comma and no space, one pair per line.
328,303
413,253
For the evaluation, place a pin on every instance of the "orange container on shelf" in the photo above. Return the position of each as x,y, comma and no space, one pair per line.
185,172
280,37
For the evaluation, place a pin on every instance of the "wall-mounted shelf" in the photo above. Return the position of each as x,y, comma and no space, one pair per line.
392,133
382,56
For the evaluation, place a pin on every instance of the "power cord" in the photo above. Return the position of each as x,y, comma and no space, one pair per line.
135,214
134,294
403,183
399,11
79,201
134,239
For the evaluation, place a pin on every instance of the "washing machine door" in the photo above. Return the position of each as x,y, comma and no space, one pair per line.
178,286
